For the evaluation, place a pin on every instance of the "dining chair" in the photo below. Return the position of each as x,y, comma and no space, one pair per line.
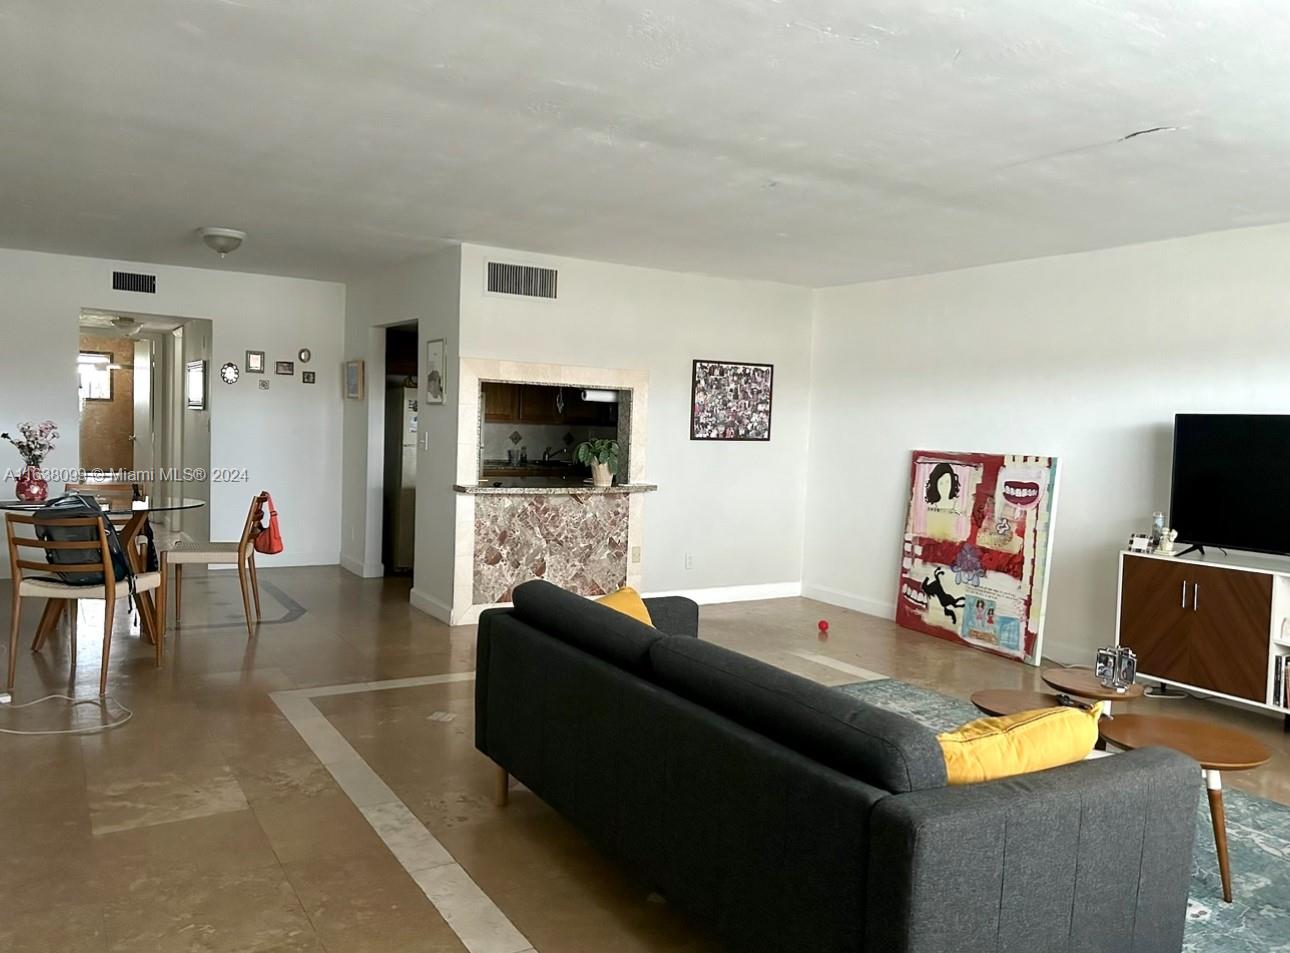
33,579
240,554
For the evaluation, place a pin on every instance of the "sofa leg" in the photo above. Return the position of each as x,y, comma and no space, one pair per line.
502,789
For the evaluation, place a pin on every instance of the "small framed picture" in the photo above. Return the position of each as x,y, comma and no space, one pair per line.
95,372
285,368
255,362
353,380
195,385
307,377
436,372
264,385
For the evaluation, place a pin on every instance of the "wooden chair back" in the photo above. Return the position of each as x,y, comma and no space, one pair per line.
254,516
97,556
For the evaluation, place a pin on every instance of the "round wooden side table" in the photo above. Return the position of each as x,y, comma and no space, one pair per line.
1009,701
1082,683
1216,747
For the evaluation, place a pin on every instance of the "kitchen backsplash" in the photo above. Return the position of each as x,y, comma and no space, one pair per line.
499,437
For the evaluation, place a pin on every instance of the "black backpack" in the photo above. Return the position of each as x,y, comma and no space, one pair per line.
77,506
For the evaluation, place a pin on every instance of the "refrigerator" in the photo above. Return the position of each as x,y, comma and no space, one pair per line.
400,478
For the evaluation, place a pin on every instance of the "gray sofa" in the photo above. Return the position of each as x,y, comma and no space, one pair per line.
780,815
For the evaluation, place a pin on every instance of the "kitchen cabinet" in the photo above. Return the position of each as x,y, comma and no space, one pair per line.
538,405
501,401
595,413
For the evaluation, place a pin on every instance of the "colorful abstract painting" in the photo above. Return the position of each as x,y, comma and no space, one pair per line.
731,401
978,539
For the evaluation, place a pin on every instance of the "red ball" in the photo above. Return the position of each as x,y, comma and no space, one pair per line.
824,625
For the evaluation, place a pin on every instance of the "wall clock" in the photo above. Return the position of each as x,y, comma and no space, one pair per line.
304,355
229,373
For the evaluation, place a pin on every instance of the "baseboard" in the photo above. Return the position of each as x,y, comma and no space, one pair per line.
470,614
850,600
718,594
1065,653
359,568
431,606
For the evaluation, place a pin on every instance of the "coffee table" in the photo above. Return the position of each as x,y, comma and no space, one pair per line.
1082,683
1217,748
1009,701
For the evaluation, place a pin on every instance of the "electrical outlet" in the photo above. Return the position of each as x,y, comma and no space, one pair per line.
689,560
636,554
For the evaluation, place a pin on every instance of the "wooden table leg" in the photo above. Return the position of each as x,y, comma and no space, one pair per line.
143,601
1214,786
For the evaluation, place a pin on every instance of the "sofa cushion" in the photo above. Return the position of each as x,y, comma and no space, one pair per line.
828,726
597,630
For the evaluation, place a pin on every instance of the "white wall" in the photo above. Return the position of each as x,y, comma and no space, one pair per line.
425,290
269,432
1086,357
736,507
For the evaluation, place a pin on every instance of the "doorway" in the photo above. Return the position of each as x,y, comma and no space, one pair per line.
398,518
136,424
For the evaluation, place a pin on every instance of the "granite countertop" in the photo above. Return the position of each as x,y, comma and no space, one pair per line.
486,488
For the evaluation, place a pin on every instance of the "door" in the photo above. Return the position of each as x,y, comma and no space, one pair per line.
1232,621
143,436
1156,617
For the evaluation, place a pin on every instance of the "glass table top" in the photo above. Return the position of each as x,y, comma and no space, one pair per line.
116,506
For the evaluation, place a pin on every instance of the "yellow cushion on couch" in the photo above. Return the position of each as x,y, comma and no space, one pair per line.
628,601
992,748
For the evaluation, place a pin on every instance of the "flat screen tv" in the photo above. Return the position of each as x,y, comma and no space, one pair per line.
1228,473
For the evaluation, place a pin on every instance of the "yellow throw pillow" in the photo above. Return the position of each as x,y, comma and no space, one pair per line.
992,748
628,601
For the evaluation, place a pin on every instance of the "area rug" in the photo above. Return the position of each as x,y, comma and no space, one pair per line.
1258,833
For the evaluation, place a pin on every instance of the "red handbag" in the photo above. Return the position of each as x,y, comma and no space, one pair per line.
269,539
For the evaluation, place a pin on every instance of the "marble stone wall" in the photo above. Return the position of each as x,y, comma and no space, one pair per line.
575,541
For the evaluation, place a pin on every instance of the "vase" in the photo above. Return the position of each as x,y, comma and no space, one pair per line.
32,487
600,475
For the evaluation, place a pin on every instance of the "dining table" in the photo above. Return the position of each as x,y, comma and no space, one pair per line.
130,517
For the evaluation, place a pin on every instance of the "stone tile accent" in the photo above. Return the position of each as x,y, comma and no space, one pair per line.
576,541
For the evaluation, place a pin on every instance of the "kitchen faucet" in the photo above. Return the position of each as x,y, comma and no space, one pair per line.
548,455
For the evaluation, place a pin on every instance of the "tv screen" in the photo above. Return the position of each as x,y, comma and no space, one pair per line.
1227,470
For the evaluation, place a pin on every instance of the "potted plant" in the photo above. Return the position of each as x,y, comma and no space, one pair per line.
37,440
602,457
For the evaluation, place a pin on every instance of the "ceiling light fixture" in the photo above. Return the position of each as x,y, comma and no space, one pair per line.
222,240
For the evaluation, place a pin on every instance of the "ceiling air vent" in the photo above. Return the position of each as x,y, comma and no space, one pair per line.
129,281
524,280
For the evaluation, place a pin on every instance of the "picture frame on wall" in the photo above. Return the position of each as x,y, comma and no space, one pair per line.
731,400
285,368
436,372
94,370
195,385
353,378
307,377
255,362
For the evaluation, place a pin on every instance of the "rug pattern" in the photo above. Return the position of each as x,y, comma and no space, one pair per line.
1258,833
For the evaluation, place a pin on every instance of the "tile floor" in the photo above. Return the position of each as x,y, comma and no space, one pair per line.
266,797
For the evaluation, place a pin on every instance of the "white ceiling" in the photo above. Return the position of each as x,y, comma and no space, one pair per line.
810,141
